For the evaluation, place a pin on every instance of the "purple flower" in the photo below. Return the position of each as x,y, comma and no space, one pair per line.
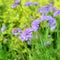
17,2
56,13
14,5
53,27
28,4
31,3
44,9
51,21
42,17
26,34
52,9
15,31
35,25
3,28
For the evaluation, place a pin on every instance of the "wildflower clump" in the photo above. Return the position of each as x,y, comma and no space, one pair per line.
29,30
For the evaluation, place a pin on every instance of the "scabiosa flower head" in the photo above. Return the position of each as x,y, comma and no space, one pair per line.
52,9
3,28
56,13
26,34
42,17
31,3
44,9
15,31
35,25
28,4
17,2
51,21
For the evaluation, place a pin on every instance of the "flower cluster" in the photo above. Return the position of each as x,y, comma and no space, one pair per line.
56,13
15,31
17,2
31,4
27,33
46,9
51,21
35,25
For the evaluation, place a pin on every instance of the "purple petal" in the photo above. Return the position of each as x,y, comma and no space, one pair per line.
53,27
51,21
35,25
26,34
15,31
14,5
44,9
3,28
56,13
28,4
17,1
52,9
